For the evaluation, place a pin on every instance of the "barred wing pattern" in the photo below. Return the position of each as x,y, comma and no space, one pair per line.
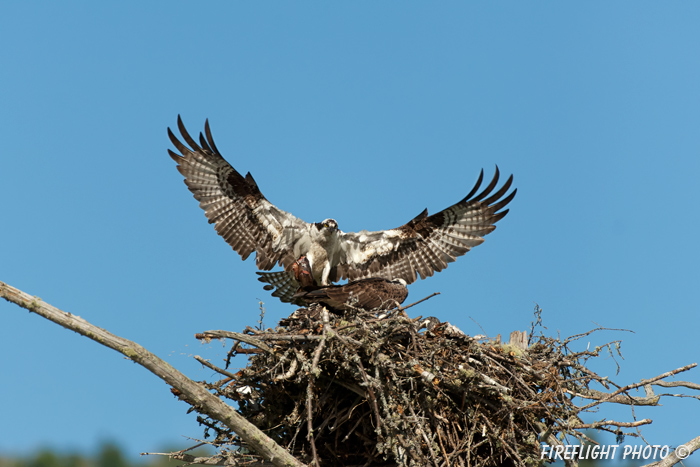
282,283
242,216
426,244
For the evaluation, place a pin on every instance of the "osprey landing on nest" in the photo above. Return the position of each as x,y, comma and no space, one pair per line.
250,223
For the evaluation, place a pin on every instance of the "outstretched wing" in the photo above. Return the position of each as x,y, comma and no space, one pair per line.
426,244
233,203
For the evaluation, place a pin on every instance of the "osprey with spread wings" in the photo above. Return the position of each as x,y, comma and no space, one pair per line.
250,223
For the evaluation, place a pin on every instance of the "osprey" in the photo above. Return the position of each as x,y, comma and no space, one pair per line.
373,293
250,223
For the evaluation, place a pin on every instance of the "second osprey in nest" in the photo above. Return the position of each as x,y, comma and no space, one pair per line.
371,293
250,223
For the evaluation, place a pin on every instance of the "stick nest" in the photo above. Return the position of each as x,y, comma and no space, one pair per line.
358,390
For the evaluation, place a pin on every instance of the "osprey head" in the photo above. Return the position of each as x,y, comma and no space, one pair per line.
327,225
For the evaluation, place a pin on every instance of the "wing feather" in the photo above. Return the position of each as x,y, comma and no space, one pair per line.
234,204
283,283
368,294
426,244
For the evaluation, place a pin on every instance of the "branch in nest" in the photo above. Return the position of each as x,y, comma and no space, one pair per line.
624,399
637,385
310,388
604,423
675,384
206,335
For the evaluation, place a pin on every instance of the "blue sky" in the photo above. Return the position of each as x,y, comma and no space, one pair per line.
366,112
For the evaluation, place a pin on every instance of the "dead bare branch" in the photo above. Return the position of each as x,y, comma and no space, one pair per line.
679,454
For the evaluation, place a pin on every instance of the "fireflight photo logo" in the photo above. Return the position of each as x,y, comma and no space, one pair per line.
596,452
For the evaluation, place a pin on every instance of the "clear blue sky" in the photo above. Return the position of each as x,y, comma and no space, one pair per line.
366,112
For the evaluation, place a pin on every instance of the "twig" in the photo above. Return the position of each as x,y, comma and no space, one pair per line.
623,398
425,436
640,384
603,423
290,372
576,337
214,367
419,301
674,384
370,391
290,337
234,335
310,387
